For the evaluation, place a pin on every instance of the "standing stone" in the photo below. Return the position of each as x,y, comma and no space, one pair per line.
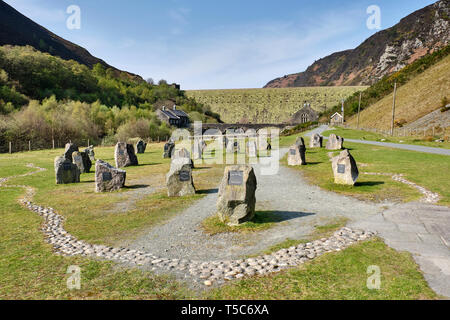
263,143
297,155
316,141
183,154
124,155
236,202
232,146
168,150
70,149
345,169
82,161
252,149
90,152
198,149
66,172
179,179
108,178
141,146
335,142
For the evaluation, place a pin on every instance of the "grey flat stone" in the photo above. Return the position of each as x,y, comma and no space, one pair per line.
417,228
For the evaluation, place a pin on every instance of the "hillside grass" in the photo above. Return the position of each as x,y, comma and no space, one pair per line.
416,98
417,167
268,105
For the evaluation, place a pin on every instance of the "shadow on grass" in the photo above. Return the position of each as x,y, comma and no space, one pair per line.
208,191
137,186
368,183
262,217
149,164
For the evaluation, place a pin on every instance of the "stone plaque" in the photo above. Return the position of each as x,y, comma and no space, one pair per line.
236,178
106,176
341,168
67,166
121,152
293,152
185,176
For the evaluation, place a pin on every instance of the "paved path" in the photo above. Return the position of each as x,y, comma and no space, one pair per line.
410,147
424,231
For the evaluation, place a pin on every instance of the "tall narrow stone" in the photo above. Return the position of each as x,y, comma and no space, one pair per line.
124,155
140,147
316,141
179,180
335,142
345,169
70,149
237,201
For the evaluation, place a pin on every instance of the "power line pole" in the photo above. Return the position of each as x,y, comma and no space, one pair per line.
359,107
393,109
343,112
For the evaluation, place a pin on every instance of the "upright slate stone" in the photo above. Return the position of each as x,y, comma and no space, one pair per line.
345,169
108,178
141,146
197,150
124,155
263,143
65,171
236,202
179,179
182,154
232,146
316,141
335,142
168,150
297,155
70,149
252,149
82,161
90,152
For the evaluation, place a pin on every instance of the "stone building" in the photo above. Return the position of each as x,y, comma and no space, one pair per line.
304,115
337,118
173,117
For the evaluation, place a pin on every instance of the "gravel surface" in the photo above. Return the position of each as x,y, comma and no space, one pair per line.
299,205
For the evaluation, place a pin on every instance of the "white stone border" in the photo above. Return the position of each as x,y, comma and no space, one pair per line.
210,272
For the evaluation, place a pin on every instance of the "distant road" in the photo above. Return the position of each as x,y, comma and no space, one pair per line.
445,152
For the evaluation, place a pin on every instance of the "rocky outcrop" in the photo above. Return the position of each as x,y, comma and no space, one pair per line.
387,51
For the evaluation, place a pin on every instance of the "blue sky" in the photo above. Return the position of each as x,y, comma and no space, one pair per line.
209,44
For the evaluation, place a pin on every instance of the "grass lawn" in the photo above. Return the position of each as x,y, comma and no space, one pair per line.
337,276
418,167
372,136
30,270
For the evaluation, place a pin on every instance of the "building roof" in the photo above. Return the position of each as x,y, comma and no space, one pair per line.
173,113
337,113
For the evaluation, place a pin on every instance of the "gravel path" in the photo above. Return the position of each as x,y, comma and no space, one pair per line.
410,147
297,204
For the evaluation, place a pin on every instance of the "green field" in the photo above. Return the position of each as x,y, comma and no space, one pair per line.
30,270
269,105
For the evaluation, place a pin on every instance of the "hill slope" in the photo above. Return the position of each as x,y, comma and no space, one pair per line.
16,29
420,33
415,99
268,105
